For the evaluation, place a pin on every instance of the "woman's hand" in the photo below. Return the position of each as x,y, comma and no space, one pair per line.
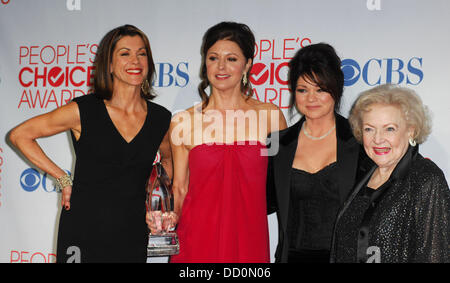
65,199
160,223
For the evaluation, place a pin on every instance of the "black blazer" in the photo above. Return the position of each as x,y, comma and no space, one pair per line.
279,173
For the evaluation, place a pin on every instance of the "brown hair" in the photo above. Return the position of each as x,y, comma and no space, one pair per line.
103,80
236,32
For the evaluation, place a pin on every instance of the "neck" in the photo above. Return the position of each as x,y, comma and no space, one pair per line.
381,175
127,98
319,126
226,100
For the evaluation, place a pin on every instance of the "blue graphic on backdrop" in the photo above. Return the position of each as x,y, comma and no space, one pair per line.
387,70
31,179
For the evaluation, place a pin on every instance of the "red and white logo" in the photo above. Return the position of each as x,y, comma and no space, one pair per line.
52,75
271,66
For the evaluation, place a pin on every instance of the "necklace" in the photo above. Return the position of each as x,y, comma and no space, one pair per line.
318,138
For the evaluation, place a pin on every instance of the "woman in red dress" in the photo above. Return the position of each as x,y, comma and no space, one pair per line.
220,156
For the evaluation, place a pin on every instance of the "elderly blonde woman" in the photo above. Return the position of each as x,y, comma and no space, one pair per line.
399,210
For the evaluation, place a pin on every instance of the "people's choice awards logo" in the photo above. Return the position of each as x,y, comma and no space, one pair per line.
378,71
52,75
4,2
270,68
31,179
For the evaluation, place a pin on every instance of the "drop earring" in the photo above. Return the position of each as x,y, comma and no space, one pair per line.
244,79
145,87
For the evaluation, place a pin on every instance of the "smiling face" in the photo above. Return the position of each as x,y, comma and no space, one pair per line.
385,135
312,101
129,63
225,65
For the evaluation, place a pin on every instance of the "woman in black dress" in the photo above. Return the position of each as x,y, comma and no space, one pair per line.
310,177
116,132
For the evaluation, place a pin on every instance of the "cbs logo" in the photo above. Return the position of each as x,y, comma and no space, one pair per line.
31,179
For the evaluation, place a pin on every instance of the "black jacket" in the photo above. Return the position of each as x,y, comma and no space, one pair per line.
407,219
279,174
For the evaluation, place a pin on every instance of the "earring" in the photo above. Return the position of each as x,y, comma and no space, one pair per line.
244,79
412,142
145,87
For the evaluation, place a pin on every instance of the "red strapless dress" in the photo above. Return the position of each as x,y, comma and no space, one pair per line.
224,216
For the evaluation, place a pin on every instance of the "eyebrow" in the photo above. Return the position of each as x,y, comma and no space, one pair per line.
212,52
128,49
384,126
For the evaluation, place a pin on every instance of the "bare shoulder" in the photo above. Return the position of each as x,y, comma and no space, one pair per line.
185,118
259,105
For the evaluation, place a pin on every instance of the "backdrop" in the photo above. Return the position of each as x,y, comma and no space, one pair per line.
48,46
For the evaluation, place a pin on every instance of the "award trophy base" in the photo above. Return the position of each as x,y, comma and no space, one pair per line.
163,245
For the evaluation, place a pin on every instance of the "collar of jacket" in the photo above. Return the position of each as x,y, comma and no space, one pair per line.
343,131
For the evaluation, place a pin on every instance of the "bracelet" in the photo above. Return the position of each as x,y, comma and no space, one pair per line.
63,182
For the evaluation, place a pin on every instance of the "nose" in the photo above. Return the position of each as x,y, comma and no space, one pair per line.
221,64
378,137
134,58
311,97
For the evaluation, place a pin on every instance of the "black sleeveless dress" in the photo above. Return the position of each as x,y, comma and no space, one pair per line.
106,221
312,211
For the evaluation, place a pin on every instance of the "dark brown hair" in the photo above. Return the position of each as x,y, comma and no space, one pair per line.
236,32
319,64
103,79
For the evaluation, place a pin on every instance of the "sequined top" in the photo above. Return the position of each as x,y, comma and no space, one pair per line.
404,220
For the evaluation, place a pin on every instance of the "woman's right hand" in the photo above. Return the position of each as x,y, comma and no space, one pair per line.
65,199
159,222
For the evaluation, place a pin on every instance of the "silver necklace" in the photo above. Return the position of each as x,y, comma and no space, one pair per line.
318,138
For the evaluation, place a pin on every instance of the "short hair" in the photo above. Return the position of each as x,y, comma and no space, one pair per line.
103,79
320,64
405,99
238,33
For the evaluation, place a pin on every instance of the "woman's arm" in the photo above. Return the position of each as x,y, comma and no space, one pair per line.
432,214
166,155
180,155
24,136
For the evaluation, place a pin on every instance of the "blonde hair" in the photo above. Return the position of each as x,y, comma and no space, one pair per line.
406,100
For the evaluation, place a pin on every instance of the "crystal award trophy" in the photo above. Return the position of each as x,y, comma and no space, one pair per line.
159,204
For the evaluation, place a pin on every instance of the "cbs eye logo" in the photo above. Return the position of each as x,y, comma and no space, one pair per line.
31,179
351,71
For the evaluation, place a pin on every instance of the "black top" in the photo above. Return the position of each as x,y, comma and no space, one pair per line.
279,174
106,221
407,219
314,205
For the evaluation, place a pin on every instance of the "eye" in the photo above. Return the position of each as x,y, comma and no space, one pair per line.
390,129
300,90
144,54
367,129
212,58
124,54
232,59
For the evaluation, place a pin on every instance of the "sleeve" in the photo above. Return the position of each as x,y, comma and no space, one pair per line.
432,221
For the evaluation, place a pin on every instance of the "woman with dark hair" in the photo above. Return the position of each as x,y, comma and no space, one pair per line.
314,170
218,152
116,132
